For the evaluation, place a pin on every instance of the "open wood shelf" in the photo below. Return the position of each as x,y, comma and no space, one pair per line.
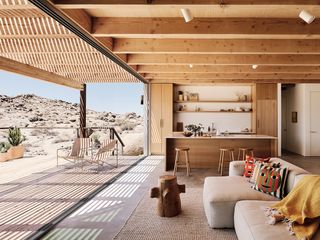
213,111
209,101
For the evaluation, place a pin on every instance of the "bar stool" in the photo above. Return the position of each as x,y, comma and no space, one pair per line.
223,151
243,151
176,163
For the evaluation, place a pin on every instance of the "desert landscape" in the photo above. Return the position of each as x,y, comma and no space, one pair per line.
51,124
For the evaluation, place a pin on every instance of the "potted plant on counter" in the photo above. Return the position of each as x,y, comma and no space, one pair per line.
13,149
195,129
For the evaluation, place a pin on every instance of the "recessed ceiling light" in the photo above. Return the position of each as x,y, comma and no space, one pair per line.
191,65
306,16
186,14
254,66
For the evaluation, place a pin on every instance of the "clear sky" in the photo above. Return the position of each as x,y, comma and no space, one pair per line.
111,97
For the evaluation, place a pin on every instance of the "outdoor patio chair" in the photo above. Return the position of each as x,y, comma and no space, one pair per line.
108,151
81,150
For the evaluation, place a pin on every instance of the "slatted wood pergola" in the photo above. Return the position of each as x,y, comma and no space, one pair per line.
34,44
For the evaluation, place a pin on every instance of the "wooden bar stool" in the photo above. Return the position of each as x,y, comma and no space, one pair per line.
243,152
187,163
223,151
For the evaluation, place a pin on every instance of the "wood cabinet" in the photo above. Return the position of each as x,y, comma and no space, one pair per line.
161,116
267,109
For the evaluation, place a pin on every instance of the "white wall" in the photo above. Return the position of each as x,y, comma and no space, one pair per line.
298,134
295,99
233,122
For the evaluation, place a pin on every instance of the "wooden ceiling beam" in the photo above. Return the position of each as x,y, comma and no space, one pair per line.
81,3
226,69
9,65
221,46
81,17
229,81
233,76
223,59
215,28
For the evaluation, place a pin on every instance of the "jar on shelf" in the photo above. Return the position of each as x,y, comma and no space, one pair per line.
185,96
180,96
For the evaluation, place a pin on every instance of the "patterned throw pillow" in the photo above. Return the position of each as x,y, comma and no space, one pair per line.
250,164
257,167
271,180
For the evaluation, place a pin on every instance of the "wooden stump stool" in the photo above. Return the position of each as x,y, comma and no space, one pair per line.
168,193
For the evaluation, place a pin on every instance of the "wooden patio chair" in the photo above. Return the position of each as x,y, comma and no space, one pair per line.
108,151
81,150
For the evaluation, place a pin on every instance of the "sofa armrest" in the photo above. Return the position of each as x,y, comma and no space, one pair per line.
236,168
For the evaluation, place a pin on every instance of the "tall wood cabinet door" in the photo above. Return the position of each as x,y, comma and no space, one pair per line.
267,117
155,118
166,114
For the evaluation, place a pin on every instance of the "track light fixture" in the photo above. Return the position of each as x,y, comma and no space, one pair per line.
186,14
190,65
254,66
306,16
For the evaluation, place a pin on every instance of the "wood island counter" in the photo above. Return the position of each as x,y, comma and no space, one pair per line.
204,151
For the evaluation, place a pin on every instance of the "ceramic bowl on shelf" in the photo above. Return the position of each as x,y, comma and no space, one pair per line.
187,134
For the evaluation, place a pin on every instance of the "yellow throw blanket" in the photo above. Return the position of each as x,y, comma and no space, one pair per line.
302,207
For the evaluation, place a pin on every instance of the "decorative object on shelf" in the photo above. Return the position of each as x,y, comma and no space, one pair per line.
168,194
179,126
195,129
184,108
180,96
185,96
187,134
197,109
194,97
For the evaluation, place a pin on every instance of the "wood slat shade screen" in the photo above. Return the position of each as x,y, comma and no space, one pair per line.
29,36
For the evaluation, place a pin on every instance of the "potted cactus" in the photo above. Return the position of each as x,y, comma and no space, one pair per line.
12,149
15,138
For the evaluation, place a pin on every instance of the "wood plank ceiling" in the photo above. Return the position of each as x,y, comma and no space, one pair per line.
221,43
34,44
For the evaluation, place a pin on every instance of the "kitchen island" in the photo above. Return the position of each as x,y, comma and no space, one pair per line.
204,151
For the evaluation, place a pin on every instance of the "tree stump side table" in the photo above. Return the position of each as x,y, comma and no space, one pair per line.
168,194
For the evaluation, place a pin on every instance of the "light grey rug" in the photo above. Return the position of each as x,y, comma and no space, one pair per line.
144,223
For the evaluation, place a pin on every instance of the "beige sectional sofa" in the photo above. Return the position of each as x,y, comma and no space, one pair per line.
230,202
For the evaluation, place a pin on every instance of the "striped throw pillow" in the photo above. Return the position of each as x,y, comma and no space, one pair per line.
271,180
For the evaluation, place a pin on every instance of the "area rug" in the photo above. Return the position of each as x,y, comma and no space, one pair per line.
144,223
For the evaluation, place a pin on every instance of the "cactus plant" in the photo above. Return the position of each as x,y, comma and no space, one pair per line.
15,137
4,147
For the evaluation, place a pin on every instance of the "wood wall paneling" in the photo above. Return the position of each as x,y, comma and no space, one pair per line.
161,116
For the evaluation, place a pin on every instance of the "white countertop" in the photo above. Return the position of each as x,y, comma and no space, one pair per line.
231,136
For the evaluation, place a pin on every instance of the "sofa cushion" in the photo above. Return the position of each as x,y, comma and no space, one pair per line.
249,166
292,173
271,181
250,223
220,194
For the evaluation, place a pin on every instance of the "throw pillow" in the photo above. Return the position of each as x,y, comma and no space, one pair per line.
249,166
271,180
257,167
